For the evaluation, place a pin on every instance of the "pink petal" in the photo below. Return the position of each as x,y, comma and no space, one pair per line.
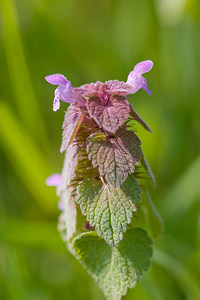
54,180
135,81
61,205
143,67
145,87
56,104
56,79
56,101
65,93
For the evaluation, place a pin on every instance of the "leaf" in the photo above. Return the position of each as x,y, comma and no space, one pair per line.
73,119
120,87
70,164
68,217
108,209
115,269
90,89
109,87
154,219
109,116
137,118
116,157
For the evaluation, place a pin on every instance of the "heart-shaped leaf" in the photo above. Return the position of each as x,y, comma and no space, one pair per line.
116,156
115,269
108,209
109,115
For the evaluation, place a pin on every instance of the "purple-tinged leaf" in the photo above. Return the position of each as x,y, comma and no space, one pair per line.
109,116
73,119
119,87
66,192
137,118
109,87
115,157
89,89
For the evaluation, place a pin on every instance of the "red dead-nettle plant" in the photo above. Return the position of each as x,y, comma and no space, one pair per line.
99,186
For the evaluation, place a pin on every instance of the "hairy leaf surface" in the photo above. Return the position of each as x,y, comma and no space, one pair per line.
115,157
109,87
108,209
119,87
115,269
73,119
65,192
111,115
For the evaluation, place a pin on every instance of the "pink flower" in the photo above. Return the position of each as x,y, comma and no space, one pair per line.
135,77
56,180
63,92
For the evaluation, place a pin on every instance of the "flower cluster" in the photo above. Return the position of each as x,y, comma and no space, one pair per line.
106,104
67,93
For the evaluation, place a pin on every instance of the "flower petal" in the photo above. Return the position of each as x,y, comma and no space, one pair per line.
56,79
65,93
143,67
135,81
145,87
54,180
56,104
56,101
61,204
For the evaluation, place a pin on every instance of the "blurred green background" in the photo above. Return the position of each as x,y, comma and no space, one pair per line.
87,41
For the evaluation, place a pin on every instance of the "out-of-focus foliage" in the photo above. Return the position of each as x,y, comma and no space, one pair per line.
88,41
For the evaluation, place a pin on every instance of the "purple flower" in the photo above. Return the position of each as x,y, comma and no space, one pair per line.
135,77
54,180
63,92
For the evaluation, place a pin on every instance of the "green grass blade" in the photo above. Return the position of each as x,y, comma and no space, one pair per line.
19,73
26,159
183,194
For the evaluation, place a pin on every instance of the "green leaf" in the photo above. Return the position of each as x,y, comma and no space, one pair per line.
116,156
108,209
115,269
